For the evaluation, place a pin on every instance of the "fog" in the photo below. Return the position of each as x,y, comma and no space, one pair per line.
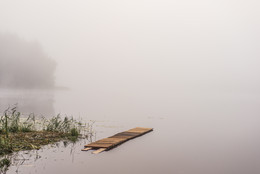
143,44
24,64
189,69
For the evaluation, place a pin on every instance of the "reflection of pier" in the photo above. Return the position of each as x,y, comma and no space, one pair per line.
39,102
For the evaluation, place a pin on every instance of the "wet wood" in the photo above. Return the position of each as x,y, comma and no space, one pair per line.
99,150
115,140
86,149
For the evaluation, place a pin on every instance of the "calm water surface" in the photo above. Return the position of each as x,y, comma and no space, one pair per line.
195,132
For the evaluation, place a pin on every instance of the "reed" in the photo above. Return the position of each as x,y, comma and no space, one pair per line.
25,133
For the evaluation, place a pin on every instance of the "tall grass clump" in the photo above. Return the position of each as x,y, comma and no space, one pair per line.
11,122
66,125
19,132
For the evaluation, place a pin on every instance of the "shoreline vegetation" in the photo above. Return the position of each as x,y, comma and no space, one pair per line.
19,133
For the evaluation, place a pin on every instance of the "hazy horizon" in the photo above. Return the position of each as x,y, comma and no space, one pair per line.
143,44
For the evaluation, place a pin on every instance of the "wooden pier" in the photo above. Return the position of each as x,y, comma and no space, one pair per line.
115,140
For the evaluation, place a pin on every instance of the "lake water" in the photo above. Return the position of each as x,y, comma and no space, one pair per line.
195,131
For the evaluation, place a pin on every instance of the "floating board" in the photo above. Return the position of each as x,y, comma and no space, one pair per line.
115,140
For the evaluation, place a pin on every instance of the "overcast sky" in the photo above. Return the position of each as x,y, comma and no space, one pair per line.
143,43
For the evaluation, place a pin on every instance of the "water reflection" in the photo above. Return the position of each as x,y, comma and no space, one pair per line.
196,132
26,160
39,102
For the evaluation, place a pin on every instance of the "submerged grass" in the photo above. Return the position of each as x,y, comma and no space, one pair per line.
4,164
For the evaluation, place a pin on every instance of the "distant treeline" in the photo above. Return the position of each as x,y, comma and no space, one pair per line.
24,64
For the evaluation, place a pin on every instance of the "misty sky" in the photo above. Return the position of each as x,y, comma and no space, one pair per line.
142,44
187,68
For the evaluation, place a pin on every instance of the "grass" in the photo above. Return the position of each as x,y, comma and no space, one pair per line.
4,164
18,133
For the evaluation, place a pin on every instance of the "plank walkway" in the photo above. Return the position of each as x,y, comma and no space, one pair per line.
115,140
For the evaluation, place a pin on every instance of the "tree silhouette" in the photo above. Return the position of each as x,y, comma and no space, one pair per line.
24,64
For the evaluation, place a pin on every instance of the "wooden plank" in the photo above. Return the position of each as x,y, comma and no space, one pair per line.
111,139
95,146
86,149
130,134
117,139
99,150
